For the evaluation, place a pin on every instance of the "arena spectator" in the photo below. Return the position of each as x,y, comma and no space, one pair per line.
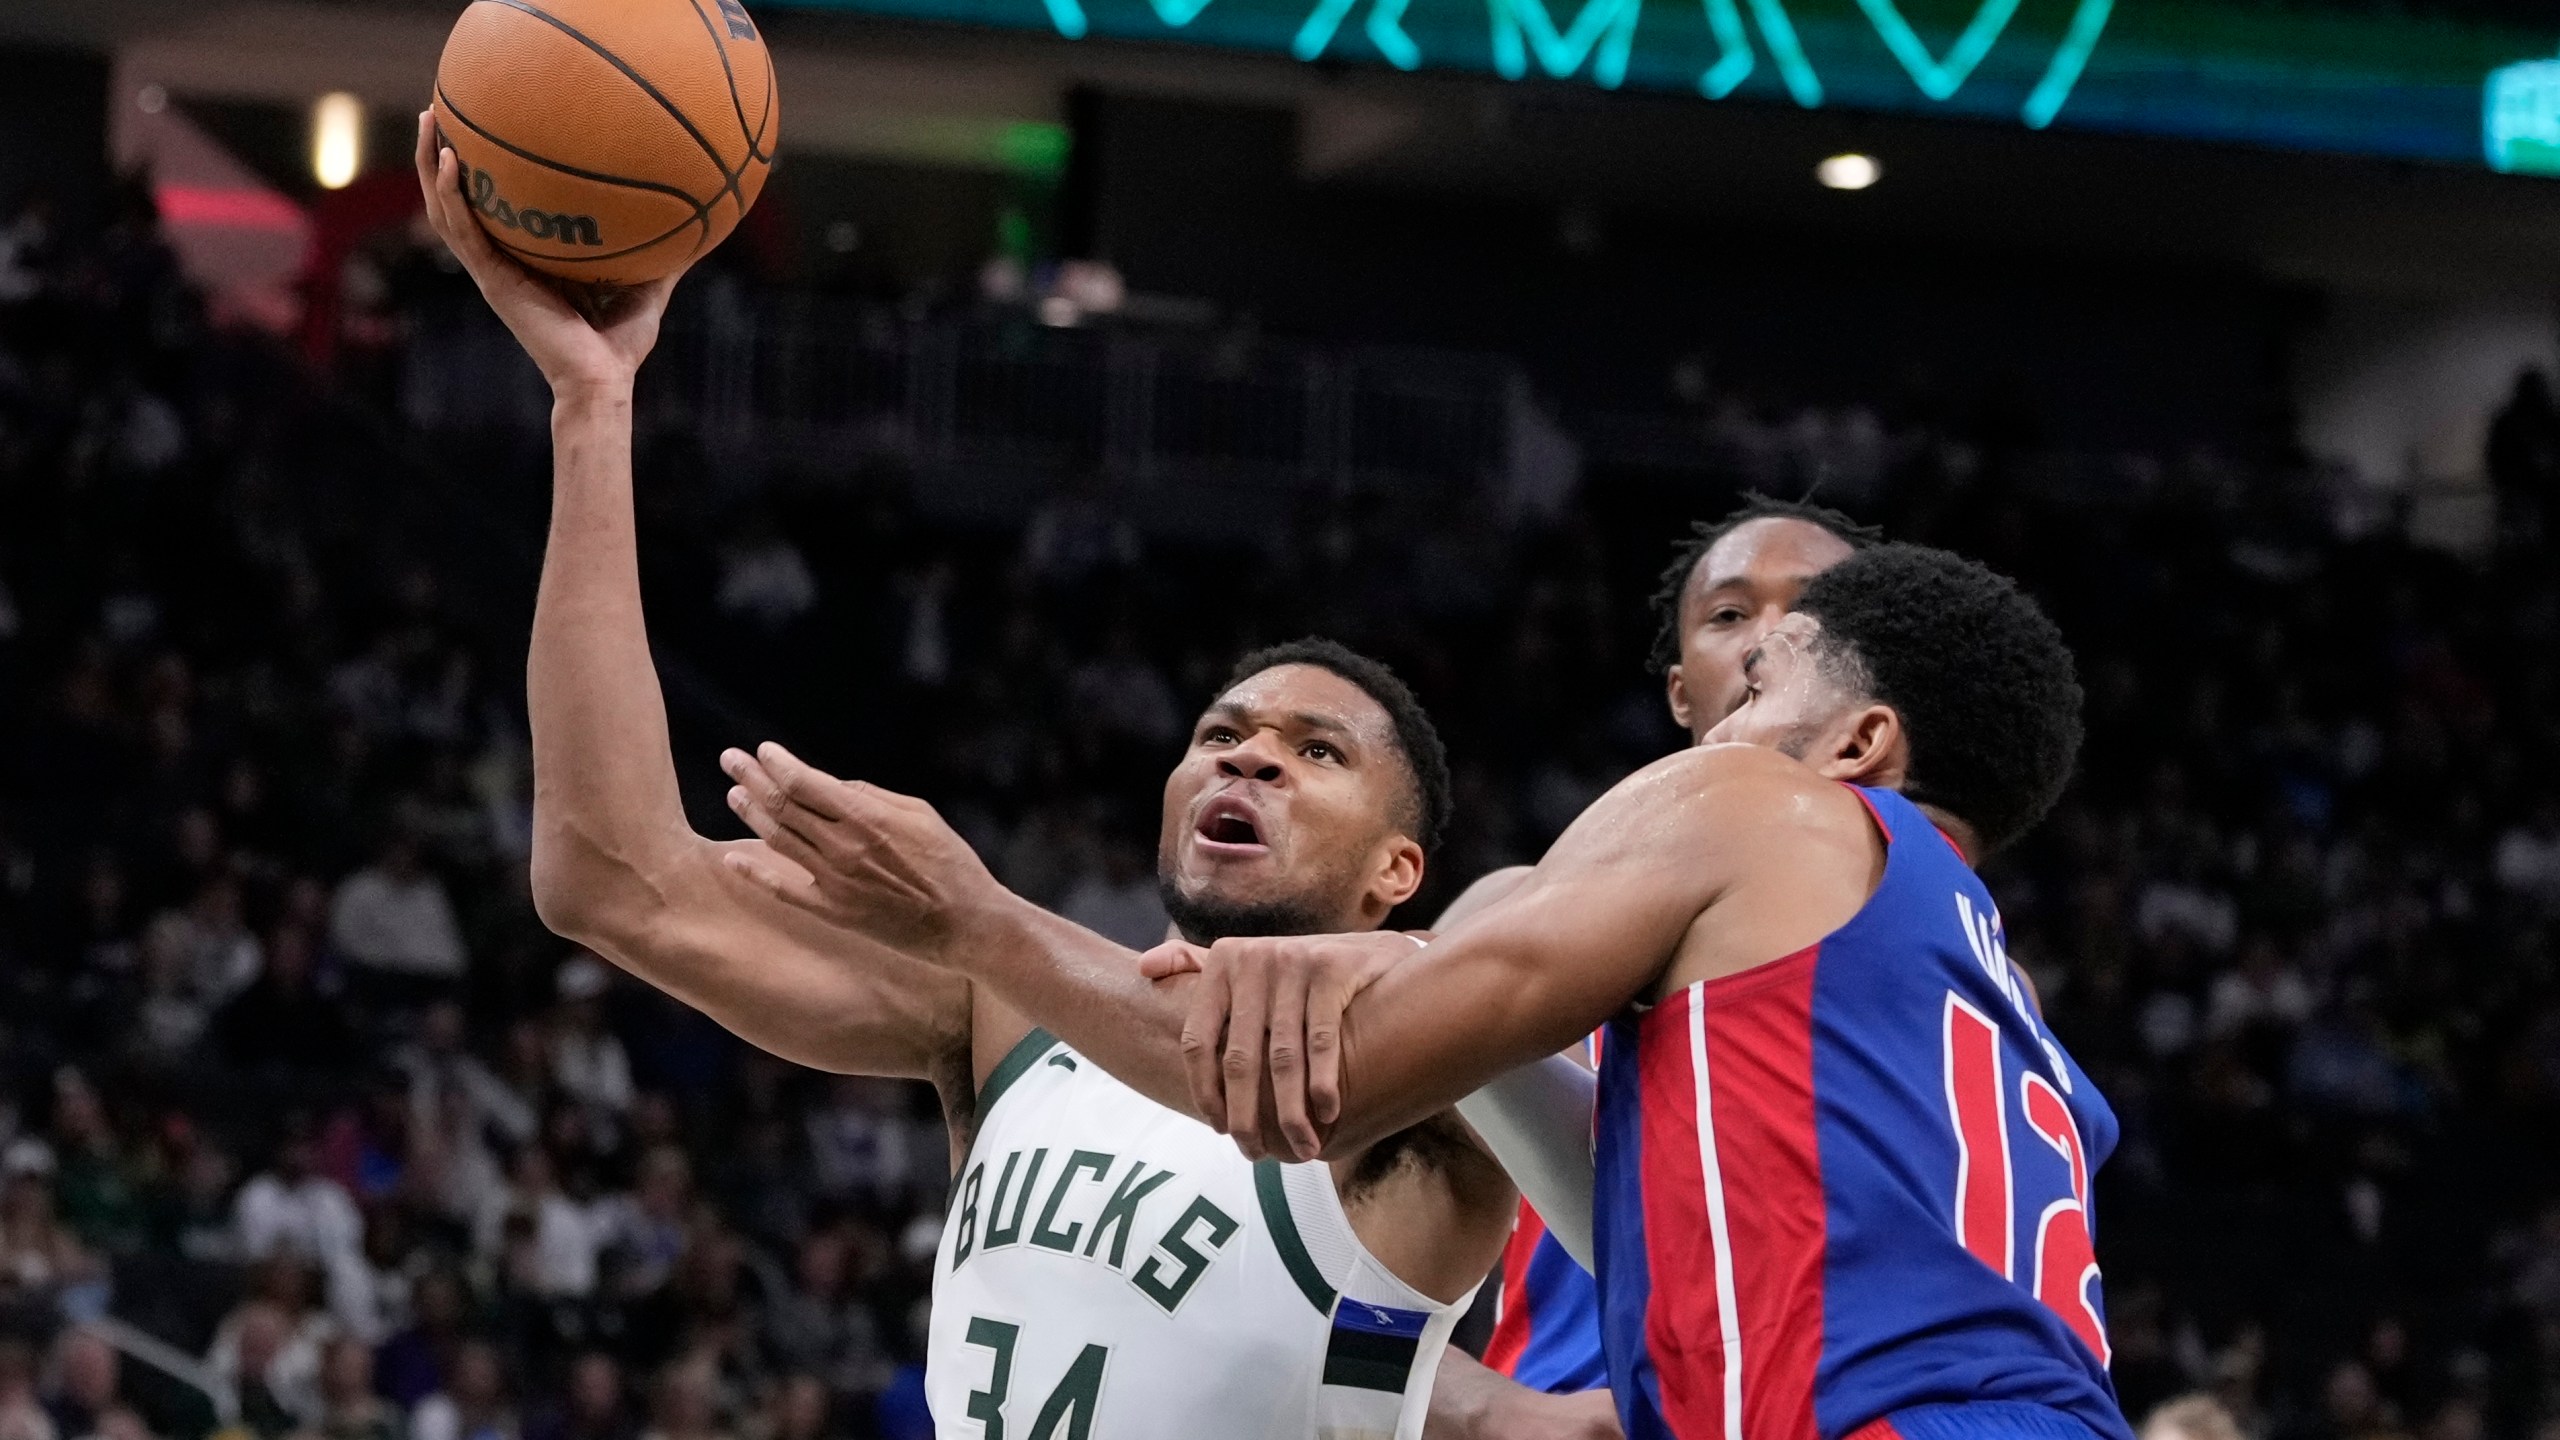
764,578
588,1064
2527,860
22,1415
44,1269
2192,1417
798,1409
592,1407
281,1019
271,1365
540,1233
86,1383
349,1410
393,919
473,1404
859,1142
292,1210
686,1406
818,1327
444,1073
96,1189
414,1362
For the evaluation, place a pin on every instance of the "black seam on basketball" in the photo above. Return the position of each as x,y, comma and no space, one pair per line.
772,85
729,185
624,181
720,47
547,258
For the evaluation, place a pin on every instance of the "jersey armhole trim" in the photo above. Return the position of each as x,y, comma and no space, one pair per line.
1283,1225
1017,1062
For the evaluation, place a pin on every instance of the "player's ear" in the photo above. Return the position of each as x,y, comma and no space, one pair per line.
1872,749
1678,694
1399,871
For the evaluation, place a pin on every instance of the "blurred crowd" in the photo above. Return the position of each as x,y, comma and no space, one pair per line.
307,1129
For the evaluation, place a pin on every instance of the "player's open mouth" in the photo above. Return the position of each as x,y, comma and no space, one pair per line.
1227,828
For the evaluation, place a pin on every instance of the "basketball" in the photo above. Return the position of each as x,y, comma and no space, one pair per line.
608,141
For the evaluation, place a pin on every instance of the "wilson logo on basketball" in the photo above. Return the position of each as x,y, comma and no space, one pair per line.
535,224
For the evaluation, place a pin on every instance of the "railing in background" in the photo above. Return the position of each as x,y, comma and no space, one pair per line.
1202,431
144,1348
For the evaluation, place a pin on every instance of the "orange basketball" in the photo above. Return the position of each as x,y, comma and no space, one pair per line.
608,140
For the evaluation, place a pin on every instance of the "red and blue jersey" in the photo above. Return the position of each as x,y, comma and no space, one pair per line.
1847,1189
1546,1323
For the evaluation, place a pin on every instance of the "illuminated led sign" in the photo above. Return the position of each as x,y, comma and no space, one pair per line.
2521,119
2402,86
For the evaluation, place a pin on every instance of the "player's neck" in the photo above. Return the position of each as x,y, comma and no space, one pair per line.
1203,929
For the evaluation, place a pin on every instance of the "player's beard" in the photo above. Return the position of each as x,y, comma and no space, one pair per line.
1205,919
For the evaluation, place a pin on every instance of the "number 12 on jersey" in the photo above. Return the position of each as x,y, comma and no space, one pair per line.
2064,1273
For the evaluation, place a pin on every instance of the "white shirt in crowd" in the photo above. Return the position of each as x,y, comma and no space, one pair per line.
293,1378
2527,862
405,925
312,1217
568,1238
592,1068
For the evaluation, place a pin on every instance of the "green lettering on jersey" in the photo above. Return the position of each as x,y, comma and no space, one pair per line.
1168,1292
968,1215
1011,1230
1044,1234
1078,1395
987,1406
1121,1209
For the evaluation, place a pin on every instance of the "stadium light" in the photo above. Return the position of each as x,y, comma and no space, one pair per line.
1851,171
337,140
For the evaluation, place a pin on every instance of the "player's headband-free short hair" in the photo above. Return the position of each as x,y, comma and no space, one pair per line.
1426,759
1988,694
1703,535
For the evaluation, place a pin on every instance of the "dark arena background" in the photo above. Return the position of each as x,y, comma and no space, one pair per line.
1075,348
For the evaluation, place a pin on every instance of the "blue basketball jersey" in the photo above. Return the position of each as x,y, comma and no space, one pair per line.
1853,1184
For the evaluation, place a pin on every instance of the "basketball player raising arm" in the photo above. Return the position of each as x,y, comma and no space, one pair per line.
1873,1219
1161,1220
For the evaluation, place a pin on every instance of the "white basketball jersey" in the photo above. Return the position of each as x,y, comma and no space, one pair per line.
1113,1270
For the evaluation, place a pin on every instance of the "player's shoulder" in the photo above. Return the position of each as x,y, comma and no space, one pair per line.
1744,796
1733,769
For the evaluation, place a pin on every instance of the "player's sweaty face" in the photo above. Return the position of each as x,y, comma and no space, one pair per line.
1291,781
1738,592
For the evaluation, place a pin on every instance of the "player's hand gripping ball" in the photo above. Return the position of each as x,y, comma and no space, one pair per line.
608,141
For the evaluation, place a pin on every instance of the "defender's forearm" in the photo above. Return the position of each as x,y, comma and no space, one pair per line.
1082,988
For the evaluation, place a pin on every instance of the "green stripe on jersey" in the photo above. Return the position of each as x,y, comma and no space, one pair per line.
1284,1237
1017,1062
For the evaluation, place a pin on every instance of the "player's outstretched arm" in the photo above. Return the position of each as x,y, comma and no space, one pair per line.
1469,1400
1591,928
885,866
615,866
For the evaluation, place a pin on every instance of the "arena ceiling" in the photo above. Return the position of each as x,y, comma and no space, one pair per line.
939,95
